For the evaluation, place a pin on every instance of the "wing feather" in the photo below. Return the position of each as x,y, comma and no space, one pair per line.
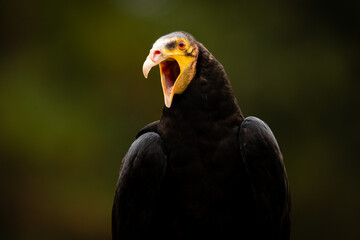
142,170
265,167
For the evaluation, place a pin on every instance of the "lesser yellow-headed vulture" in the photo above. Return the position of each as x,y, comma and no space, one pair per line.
202,171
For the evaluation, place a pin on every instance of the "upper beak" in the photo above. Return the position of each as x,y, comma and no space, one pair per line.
153,59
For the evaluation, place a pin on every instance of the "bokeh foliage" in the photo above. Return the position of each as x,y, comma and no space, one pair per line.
72,97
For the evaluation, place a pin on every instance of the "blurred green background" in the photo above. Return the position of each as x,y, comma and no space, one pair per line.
72,98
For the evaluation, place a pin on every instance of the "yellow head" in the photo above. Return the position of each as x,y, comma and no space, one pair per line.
176,54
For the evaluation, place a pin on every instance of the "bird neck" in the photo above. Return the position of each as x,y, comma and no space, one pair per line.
209,97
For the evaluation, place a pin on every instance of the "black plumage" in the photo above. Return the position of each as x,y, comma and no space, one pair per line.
203,171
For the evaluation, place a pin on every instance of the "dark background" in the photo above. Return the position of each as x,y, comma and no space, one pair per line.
72,98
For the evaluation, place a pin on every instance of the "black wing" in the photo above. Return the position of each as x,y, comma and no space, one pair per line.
265,166
142,170
151,127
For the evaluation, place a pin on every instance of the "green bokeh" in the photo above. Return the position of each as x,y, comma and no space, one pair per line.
72,98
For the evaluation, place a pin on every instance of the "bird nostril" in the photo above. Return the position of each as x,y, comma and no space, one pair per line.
155,56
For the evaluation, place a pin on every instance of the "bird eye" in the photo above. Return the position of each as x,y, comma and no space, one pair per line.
182,45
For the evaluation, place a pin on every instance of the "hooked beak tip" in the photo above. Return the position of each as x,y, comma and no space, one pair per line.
148,64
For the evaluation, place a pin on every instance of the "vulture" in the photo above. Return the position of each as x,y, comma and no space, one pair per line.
202,171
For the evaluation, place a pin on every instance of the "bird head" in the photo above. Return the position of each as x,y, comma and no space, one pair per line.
176,54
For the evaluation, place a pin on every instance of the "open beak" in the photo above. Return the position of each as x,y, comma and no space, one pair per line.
169,72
